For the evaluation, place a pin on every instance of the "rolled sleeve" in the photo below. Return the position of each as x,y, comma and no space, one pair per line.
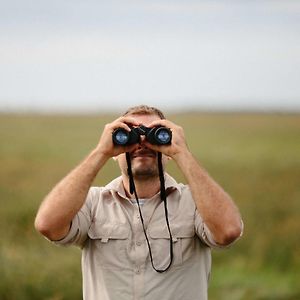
81,223
72,235
206,236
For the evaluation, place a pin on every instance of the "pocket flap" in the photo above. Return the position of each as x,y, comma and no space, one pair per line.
108,231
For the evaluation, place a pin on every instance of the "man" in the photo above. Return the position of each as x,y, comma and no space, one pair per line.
105,221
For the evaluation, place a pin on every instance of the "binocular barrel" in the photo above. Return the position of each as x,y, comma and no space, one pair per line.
159,135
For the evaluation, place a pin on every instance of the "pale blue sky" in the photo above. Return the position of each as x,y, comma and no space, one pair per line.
92,55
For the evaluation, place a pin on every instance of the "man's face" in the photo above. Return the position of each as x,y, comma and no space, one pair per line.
143,160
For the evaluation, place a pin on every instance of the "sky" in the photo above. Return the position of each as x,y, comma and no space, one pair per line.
93,56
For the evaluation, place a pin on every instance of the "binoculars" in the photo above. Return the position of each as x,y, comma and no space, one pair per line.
158,135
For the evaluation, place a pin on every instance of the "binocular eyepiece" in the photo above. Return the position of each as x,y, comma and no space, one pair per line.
158,135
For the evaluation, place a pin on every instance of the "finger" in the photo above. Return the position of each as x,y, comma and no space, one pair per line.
125,123
161,122
120,125
129,120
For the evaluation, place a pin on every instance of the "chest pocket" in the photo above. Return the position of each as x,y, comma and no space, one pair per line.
108,244
183,244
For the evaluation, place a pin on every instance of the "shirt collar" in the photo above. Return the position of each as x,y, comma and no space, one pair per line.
116,185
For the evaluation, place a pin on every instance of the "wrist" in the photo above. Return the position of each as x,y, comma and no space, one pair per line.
98,158
101,153
181,158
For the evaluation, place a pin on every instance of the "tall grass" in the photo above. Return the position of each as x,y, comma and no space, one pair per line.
255,157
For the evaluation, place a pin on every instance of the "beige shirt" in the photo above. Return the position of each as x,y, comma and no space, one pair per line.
115,257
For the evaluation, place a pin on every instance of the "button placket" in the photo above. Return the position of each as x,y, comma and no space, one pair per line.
138,283
137,270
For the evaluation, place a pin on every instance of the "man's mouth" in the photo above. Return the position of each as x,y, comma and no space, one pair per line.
143,153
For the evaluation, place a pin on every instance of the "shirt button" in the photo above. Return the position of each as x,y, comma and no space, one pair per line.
138,243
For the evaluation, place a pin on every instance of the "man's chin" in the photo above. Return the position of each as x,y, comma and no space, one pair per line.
144,168
144,174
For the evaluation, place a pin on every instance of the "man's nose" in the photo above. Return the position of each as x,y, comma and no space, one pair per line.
142,142
143,138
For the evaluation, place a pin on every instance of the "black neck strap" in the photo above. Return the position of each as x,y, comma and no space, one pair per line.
163,197
129,172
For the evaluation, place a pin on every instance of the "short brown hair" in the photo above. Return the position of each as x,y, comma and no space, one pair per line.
144,110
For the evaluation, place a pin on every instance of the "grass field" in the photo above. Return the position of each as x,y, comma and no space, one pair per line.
255,157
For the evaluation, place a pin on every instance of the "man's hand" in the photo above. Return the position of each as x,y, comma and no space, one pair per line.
178,144
106,146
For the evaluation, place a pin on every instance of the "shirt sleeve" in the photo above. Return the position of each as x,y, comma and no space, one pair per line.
205,234
81,223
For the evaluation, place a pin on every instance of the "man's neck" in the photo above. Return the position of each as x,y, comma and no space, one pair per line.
145,188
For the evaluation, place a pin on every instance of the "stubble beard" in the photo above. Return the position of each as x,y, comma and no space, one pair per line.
145,172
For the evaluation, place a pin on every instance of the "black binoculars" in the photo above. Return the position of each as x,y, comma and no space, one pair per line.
158,135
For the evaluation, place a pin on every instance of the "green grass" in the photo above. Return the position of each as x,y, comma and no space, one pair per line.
255,157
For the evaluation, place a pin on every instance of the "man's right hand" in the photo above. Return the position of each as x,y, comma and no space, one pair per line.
106,146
